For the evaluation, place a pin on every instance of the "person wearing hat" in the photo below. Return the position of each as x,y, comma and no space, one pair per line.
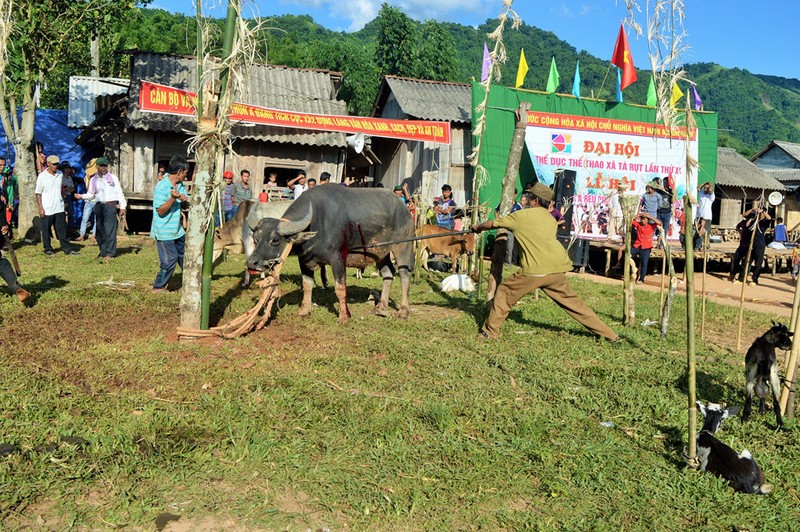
88,205
105,189
444,206
650,199
544,263
49,198
227,202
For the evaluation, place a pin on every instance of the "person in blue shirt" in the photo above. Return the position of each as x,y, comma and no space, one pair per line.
780,231
167,229
444,206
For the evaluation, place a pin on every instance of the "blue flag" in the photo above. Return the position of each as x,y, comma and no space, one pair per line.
576,84
619,86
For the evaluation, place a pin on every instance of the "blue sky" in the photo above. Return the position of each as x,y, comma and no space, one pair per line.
732,33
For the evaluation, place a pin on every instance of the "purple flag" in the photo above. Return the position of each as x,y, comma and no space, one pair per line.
487,63
698,103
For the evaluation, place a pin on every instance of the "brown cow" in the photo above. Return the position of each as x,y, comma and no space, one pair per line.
448,244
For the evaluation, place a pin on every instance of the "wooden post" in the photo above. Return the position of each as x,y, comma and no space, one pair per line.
663,278
628,302
690,345
791,368
706,243
507,198
744,283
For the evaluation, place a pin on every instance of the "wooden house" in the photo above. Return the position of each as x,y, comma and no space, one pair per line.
426,166
781,160
739,183
136,142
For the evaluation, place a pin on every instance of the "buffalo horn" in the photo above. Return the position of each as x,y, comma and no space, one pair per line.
292,228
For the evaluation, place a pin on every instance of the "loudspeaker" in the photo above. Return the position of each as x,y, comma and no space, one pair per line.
564,189
578,253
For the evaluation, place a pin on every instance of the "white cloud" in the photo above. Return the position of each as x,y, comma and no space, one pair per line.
561,11
357,13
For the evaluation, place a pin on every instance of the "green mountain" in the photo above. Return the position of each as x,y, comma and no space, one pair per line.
753,109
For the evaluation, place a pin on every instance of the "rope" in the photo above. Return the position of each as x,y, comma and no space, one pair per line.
254,319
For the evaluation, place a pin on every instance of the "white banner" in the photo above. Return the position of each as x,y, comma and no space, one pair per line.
604,152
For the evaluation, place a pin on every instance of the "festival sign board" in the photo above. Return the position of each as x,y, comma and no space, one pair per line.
169,100
605,152
605,143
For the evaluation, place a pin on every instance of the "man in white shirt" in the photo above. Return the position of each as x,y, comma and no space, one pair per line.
106,190
298,184
49,197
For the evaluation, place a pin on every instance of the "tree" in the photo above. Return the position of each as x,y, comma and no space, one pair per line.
40,35
360,79
398,44
437,57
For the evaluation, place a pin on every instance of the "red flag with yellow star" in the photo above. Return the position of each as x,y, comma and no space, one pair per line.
623,59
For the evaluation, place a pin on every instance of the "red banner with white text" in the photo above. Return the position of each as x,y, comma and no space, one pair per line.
162,99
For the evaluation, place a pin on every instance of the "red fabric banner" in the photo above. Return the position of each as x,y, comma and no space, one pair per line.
161,99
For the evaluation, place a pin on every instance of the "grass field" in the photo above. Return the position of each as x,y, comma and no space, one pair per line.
376,424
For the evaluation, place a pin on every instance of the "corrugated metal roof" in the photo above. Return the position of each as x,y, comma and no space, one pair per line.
784,175
433,100
736,171
83,92
289,89
790,147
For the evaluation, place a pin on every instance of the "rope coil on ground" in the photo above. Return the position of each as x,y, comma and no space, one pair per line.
254,319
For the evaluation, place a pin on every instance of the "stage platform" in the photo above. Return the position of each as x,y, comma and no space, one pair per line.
720,252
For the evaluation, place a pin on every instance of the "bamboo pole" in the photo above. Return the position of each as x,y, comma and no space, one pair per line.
628,302
788,383
663,279
706,243
690,344
744,283
673,287
794,319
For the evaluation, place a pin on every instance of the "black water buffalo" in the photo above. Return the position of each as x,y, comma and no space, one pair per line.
334,225
237,235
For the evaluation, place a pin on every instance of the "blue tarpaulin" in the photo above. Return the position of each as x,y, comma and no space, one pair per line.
57,138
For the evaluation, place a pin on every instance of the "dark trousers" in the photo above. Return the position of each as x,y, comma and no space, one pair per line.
59,221
756,257
170,254
105,217
644,260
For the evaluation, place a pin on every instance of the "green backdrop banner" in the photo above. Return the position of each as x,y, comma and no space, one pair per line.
604,142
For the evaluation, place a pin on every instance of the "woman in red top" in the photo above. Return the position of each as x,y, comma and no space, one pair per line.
645,226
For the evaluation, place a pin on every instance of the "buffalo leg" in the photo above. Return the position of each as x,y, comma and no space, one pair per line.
387,273
404,268
339,271
323,277
308,286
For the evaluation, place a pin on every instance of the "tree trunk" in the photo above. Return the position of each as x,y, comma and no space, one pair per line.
26,174
507,199
199,217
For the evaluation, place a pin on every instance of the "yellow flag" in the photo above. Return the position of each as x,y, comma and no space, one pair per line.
523,68
677,94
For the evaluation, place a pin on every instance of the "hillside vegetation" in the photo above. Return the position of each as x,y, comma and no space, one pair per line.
753,109
107,422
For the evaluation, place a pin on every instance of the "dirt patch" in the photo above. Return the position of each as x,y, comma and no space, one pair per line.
773,295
